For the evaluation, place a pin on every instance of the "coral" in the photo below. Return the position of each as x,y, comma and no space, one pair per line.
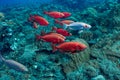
109,69
78,74
28,54
107,48
91,71
5,77
115,10
90,13
115,47
47,66
43,45
99,77
2,16
86,35
83,73
116,21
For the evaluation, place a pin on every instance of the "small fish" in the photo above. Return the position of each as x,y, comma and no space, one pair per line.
54,39
63,22
61,31
54,14
77,26
66,14
38,19
69,47
14,65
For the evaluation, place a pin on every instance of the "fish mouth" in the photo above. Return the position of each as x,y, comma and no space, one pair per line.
89,26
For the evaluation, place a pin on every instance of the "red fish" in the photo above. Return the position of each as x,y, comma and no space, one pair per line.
63,22
53,33
57,34
54,39
69,47
62,31
38,19
54,14
66,14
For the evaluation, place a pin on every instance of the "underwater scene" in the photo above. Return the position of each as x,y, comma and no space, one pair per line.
59,39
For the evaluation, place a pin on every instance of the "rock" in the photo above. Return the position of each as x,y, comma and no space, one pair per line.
1,16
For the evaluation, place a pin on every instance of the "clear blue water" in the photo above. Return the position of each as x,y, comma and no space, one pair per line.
11,3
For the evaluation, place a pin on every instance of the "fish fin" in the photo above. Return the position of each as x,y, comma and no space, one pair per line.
56,21
38,37
54,48
59,22
80,31
70,34
65,26
54,28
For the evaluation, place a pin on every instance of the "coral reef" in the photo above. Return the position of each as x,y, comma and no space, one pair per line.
100,61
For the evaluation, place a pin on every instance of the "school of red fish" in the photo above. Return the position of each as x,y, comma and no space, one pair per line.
57,36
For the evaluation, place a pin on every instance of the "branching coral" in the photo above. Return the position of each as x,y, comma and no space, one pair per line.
116,21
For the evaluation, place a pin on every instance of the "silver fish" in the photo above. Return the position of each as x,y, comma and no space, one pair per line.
14,65
77,26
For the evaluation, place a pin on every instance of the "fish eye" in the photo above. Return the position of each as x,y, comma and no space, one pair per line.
85,26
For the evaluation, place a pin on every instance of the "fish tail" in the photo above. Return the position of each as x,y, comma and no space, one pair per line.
56,21
70,34
54,48
45,12
65,26
54,28
43,33
30,18
59,22
38,37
